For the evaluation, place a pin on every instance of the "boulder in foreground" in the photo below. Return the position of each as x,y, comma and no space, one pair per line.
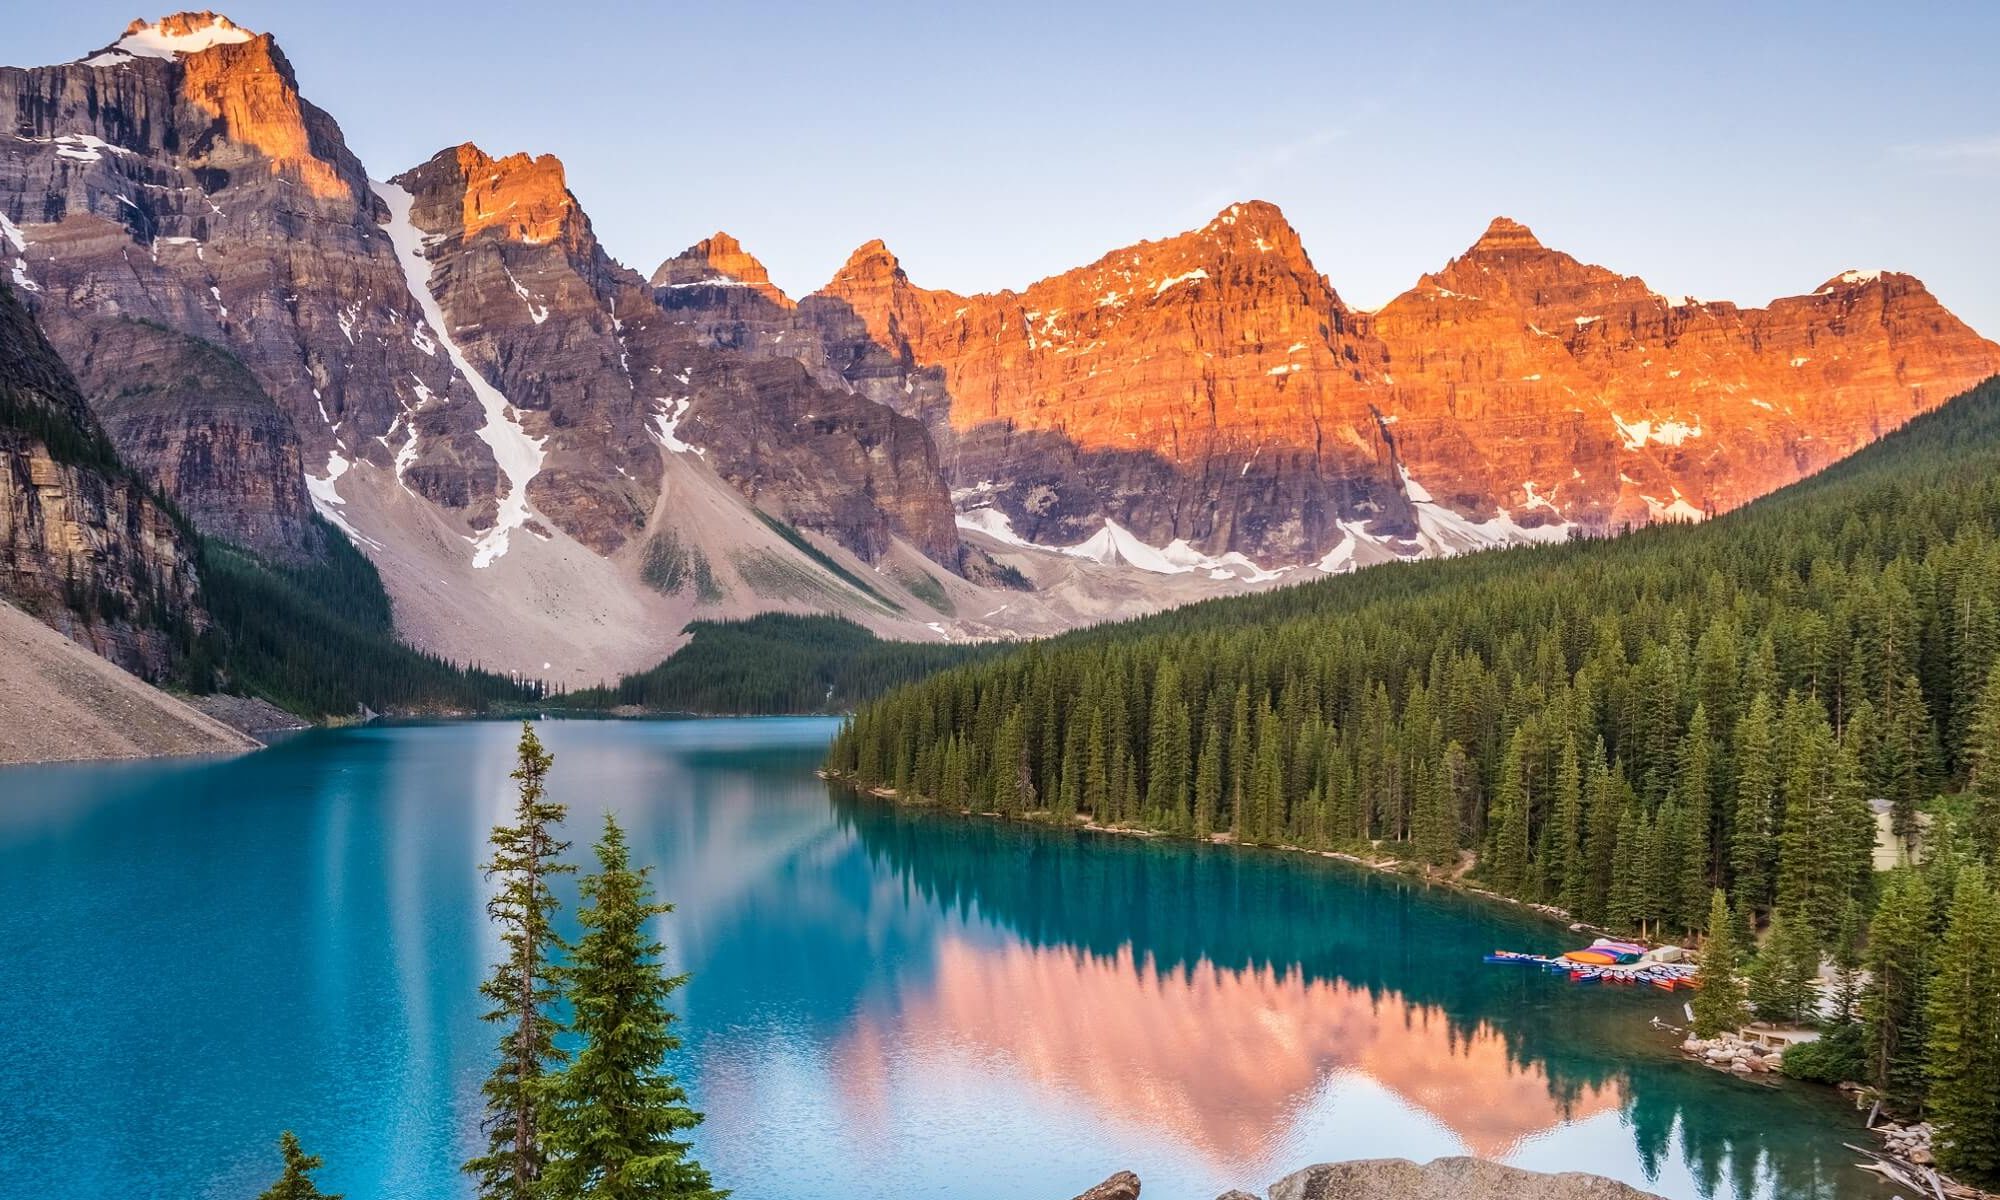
1445,1179
1122,1186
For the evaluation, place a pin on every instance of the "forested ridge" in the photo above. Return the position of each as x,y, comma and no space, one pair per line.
778,663
319,640
1619,728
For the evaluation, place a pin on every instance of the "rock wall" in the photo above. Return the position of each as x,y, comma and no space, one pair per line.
84,546
193,421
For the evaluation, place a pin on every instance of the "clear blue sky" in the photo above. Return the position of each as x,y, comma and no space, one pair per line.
1724,150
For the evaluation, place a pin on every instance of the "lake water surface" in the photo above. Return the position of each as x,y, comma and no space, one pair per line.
885,1003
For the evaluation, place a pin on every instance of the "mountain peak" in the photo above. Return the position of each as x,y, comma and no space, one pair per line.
871,260
718,260
1259,226
172,36
1854,279
1252,211
472,161
1505,233
873,248
524,197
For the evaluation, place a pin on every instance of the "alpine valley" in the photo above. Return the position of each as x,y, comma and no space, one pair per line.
225,340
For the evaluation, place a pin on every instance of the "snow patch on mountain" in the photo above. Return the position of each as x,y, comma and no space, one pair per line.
536,312
326,498
154,41
1669,432
1677,509
1443,532
1197,274
11,235
667,423
518,455
1115,545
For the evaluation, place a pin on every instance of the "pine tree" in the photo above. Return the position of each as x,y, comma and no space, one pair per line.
1604,807
1756,791
1695,785
1208,781
296,1181
1848,960
522,986
616,1112
1096,771
1239,761
1167,753
1962,1013
1628,904
1013,784
1719,1005
1509,859
1563,862
1801,838
1267,782
1437,840
1982,758
1781,978
1689,861
1458,796
1893,1002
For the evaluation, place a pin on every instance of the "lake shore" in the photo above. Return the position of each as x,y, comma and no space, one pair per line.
61,703
1452,880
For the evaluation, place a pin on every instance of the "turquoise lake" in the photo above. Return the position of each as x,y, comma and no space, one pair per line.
884,1003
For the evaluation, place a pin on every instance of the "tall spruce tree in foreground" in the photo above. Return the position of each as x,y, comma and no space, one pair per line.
1719,1005
522,986
1962,1058
615,1111
296,1182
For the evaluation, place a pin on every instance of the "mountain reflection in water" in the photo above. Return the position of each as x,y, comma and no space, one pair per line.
884,1002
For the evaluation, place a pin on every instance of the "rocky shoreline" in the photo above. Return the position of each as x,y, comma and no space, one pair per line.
1728,1052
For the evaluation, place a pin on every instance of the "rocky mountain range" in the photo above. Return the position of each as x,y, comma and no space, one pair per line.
556,462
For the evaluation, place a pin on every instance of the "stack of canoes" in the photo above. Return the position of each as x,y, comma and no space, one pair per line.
1606,961
1606,953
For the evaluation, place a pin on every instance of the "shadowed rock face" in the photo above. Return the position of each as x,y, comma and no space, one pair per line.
83,544
188,416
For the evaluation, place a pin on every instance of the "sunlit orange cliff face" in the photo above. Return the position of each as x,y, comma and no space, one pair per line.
1515,383
1222,1058
247,87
